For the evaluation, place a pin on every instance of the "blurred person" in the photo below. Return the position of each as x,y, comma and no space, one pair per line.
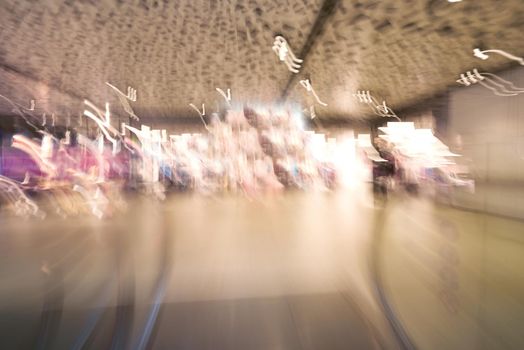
383,172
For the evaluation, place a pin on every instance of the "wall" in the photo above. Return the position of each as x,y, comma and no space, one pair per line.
488,130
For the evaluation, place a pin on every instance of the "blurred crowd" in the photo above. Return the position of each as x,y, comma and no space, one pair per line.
247,151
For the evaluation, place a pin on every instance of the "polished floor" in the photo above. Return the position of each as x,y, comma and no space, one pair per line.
295,271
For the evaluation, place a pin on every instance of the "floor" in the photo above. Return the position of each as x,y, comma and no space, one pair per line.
455,278
296,271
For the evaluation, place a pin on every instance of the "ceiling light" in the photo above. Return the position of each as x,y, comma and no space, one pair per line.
284,53
499,86
309,88
482,55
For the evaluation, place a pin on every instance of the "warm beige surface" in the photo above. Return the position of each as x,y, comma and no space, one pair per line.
291,271
454,278
221,247
264,272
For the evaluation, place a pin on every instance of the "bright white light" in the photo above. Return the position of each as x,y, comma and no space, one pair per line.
101,123
480,54
309,88
108,114
224,95
496,84
419,145
284,53
124,99
483,55
379,109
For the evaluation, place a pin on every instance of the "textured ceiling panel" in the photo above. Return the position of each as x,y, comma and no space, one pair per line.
172,52
177,52
406,51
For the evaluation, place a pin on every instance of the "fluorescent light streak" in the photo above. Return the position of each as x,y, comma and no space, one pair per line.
200,113
312,112
101,124
496,84
482,54
284,53
107,115
309,88
124,99
35,152
417,144
379,109
227,96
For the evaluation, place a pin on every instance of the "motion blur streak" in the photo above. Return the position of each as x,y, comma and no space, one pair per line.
261,175
166,261
96,314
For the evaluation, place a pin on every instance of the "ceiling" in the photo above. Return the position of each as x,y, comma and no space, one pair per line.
173,53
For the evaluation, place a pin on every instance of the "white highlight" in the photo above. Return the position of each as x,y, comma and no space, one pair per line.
496,84
101,123
483,55
284,53
419,145
227,96
309,88
312,112
124,99
107,115
380,109
200,113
